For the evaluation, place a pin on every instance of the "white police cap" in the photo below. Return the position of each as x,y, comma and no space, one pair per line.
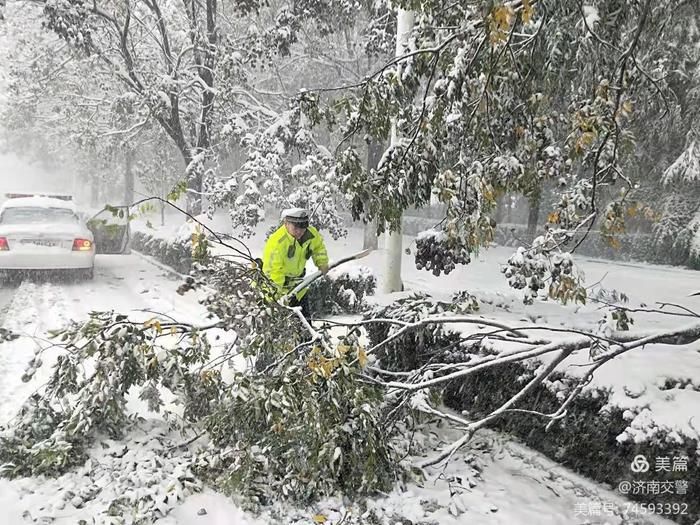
297,215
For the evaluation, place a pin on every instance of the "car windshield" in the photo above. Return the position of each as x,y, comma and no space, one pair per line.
37,215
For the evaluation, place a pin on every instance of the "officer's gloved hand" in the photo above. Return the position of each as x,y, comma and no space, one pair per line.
284,300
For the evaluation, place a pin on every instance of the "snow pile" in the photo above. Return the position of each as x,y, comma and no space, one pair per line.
354,273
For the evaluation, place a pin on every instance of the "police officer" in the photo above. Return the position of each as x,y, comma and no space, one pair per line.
286,252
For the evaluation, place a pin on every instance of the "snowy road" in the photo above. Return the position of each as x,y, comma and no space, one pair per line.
6,294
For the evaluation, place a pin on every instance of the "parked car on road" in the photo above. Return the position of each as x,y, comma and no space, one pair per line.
45,232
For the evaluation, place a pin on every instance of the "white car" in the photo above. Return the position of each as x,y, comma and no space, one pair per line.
44,233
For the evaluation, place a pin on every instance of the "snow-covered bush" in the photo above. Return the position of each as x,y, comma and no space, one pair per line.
590,439
427,343
342,291
176,254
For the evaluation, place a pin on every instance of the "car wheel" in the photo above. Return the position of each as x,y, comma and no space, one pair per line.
89,274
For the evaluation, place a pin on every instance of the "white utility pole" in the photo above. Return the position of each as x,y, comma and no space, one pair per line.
392,268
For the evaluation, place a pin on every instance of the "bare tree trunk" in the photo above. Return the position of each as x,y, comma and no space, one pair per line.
392,268
194,195
501,203
128,175
205,66
533,215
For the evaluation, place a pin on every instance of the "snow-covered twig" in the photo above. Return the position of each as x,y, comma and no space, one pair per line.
687,312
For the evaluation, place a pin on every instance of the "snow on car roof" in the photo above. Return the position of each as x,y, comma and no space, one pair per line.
39,202
53,195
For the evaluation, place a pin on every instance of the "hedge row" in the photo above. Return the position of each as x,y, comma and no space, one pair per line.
176,255
642,247
694,260
584,441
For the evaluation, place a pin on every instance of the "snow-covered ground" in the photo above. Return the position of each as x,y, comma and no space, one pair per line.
497,482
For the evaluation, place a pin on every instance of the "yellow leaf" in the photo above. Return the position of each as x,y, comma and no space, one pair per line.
501,19
319,518
327,368
588,137
503,15
585,140
362,357
553,218
528,11
155,324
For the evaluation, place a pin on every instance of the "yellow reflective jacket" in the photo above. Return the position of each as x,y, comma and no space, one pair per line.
284,258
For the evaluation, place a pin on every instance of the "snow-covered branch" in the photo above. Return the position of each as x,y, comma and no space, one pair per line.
437,375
